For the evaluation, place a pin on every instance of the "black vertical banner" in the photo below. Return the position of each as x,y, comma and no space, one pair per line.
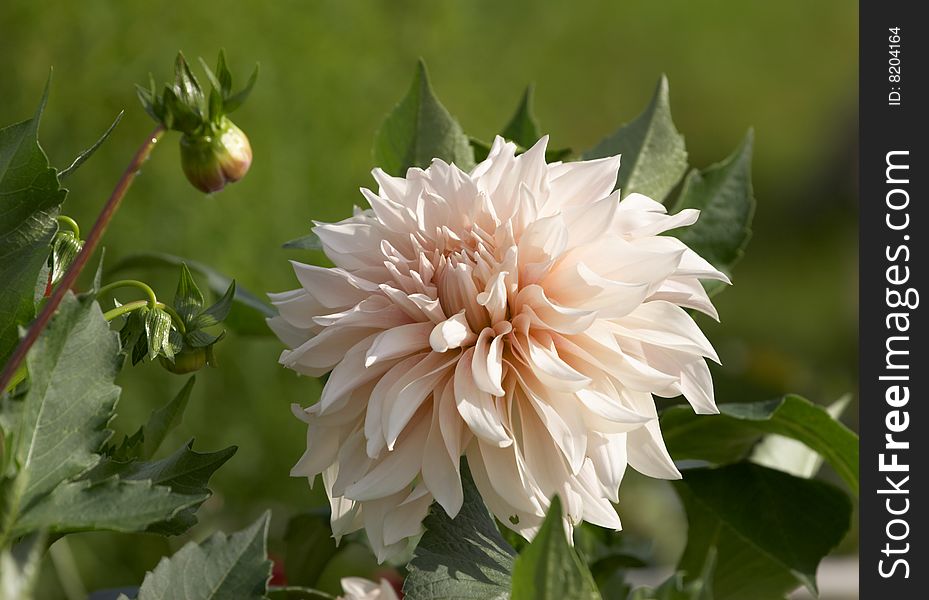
894,418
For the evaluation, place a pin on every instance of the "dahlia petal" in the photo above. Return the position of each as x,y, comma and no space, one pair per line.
373,422
395,471
406,520
608,408
687,292
411,390
583,182
350,374
398,341
451,333
298,308
333,288
546,314
647,453
596,508
607,453
346,516
441,473
525,523
390,187
666,325
393,215
477,407
510,480
590,221
287,333
487,363
697,387
552,370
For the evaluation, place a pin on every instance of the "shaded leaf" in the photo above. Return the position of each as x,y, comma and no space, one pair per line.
29,199
308,547
112,504
418,130
309,241
653,155
723,193
64,414
791,456
464,558
218,312
188,299
184,472
164,419
769,529
223,567
549,568
523,127
729,436
83,156
677,587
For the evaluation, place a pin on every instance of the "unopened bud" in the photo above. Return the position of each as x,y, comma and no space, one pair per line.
65,248
220,157
187,361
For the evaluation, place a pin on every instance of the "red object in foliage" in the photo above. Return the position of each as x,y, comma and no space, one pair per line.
278,577
393,578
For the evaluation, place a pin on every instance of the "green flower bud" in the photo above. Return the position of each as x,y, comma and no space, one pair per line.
187,361
65,248
217,158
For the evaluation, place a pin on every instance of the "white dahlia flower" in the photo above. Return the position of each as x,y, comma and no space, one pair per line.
358,588
519,315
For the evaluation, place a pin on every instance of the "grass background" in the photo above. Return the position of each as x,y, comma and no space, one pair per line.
331,70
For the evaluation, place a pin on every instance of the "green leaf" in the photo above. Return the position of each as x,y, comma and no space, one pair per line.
308,547
653,155
185,472
188,299
309,241
730,436
723,193
791,456
64,414
112,504
480,148
677,587
549,568
464,558
83,156
418,130
29,200
769,529
223,567
234,101
248,312
164,419
217,313
523,127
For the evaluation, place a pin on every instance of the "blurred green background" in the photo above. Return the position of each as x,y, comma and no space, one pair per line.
331,70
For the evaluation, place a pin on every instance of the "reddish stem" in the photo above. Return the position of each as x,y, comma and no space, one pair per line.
90,244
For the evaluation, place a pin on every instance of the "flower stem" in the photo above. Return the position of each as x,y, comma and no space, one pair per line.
71,223
131,283
131,306
90,244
